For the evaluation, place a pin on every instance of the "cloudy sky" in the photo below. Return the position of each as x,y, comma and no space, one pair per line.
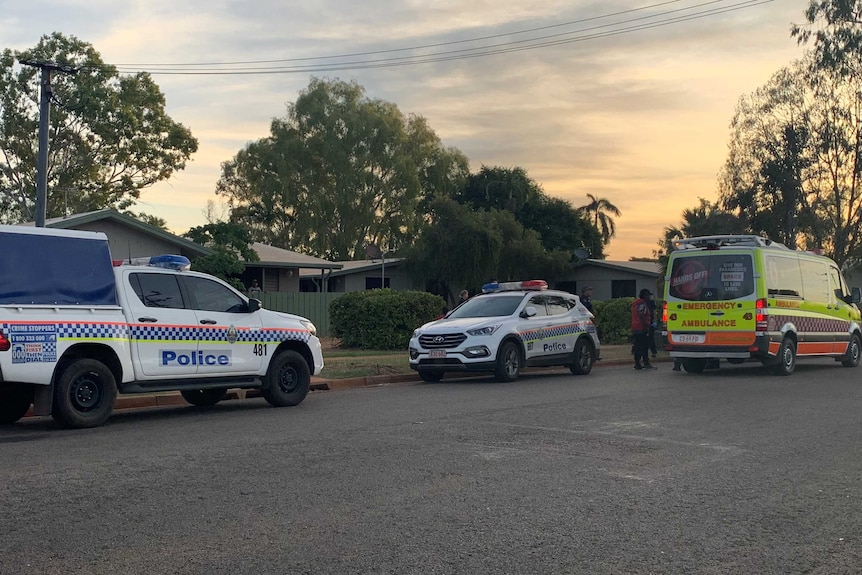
629,100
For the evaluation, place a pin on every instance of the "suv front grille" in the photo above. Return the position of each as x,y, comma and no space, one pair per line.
442,341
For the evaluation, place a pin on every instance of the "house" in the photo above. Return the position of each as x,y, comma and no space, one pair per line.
128,237
613,279
361,275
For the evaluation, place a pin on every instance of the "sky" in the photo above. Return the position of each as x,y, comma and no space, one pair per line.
627,100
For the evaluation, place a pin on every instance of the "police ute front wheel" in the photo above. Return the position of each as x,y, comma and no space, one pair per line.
203,397
508,365
287,380
15,400
854,352
583,357
84,394
786,358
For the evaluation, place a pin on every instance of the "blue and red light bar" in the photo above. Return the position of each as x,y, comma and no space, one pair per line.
526,285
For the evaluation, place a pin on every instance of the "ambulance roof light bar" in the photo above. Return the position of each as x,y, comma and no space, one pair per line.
715,242
526,285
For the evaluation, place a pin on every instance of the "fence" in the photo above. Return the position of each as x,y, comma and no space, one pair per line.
311,305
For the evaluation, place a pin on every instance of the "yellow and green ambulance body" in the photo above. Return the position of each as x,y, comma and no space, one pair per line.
741,297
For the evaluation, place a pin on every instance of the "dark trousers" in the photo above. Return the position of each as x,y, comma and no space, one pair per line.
651,341
640,347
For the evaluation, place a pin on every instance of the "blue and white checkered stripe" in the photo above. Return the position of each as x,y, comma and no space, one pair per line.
554,331
185,333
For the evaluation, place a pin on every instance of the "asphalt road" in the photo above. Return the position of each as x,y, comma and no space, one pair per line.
732,471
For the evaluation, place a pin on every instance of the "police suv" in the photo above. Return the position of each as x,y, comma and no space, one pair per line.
509,326
76,330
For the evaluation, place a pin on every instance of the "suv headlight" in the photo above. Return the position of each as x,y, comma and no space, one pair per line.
309,326
483,330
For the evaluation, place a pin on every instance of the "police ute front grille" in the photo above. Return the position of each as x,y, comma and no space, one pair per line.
442,341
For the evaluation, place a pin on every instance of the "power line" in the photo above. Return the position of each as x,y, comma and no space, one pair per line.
666,18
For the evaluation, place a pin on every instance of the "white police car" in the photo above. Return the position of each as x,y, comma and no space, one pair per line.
509,326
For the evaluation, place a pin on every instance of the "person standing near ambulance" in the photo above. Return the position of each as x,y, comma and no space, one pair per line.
641,320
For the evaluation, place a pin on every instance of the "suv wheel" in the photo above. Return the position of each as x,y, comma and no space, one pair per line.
508,366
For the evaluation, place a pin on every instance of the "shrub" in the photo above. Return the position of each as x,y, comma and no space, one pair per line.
614,320
382,318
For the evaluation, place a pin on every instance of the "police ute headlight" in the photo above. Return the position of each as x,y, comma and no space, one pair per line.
309,326
483,330
417,332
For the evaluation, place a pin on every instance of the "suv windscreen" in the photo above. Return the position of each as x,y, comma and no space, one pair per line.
488,306
711,276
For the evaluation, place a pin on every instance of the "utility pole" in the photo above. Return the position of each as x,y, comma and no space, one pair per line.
45,97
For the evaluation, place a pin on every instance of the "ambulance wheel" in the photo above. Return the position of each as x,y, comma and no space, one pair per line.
694,365
854,352
15,400
508,366
84,394
584,357
786,358
430,376
287,380
203,397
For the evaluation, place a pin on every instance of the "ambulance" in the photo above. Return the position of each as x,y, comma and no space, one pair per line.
741,297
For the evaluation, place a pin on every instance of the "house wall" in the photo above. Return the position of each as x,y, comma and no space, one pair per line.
602,278
126,242
396,280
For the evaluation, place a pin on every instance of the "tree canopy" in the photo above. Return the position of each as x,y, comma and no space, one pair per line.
339,172
794,166
109,138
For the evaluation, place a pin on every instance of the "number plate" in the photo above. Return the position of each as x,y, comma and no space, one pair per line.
688,337
437,353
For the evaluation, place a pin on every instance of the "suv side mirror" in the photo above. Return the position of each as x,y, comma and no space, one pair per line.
529,311
253,305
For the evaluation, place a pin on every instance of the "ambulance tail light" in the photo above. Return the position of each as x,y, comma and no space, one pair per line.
761,316
5,344
664,315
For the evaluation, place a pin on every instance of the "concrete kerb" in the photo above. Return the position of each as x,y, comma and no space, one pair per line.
172,398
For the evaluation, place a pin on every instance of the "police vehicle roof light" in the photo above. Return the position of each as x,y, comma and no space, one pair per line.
171,262
527,285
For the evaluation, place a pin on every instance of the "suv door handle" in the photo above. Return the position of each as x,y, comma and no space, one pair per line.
209,321
152,319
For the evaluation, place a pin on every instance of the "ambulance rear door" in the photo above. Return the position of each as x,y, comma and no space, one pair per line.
711,300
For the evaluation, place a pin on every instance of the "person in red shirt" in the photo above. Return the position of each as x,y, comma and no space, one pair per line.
641,320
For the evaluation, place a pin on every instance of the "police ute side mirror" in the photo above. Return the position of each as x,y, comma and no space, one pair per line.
529,311
855,295
253,305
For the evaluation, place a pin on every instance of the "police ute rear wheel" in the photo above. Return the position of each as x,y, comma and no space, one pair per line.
287,380
583,357
84,394
203,397
508,366
786,358
854,352
15,400
430,376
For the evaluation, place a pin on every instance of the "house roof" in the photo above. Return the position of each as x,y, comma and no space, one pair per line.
271,256
356,266
652,269
75,220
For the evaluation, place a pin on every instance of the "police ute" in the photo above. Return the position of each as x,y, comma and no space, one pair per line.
77,328
509,326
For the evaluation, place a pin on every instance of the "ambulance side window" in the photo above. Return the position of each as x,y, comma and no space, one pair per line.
815,281
157,290
836,283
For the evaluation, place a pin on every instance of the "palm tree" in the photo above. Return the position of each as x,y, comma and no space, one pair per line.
598,210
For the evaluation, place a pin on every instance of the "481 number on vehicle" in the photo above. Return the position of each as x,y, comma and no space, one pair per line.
260,349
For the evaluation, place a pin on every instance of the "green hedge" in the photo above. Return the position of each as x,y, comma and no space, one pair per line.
614,319
382,318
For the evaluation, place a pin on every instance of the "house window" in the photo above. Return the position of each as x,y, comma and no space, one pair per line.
374,282
623,288
270,281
